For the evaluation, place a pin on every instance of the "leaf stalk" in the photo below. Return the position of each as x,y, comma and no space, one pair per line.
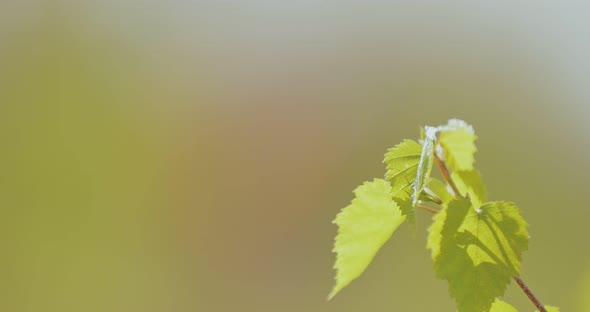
446,175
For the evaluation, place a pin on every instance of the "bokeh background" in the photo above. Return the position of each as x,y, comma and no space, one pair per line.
191,155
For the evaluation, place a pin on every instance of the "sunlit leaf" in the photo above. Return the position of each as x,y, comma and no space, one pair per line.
501,306
440,189
477,250
470,182
457,141
402,166
363,227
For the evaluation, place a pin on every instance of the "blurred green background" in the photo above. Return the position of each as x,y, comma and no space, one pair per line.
191,155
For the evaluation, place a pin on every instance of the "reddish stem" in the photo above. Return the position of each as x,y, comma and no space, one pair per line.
446,175
528,292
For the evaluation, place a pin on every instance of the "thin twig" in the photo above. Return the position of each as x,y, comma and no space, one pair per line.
528,292
446,175
429,209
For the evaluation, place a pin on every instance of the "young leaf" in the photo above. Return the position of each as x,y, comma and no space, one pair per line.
501,306
457,140
439,188
470,182
477,250
363,227
402,166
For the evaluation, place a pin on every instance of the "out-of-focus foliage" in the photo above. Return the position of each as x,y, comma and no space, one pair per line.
216,140
82,179
583,293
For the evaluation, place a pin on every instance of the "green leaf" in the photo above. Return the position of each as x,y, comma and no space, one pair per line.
439,188
363,227
470,182
501,306
402,166
477,250
457,141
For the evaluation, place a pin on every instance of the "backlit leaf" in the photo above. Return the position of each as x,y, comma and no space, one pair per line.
470,182
477,250
402,166
501,306
439,188
457,140
363,227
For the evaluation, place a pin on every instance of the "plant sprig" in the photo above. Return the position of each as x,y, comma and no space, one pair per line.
476,244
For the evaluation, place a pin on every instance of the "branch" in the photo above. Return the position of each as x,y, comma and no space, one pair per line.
429,209
446,175
528,292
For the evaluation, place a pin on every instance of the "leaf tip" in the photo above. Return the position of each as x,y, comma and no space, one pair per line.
330,296
334,291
